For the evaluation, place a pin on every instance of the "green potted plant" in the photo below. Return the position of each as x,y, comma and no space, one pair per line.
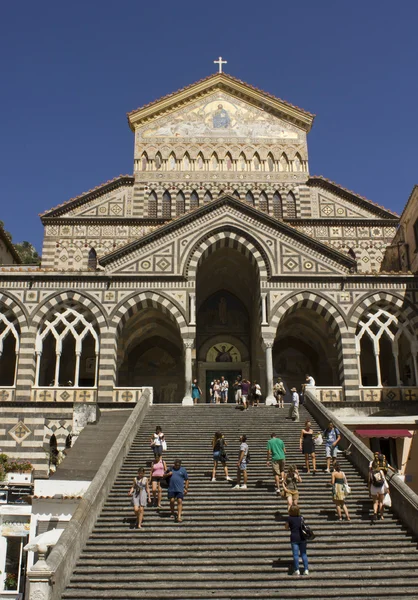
10,582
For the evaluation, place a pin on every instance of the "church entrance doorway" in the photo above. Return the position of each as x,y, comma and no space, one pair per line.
150,353
230,377
227,318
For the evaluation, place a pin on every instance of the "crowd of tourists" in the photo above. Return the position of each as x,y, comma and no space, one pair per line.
148,489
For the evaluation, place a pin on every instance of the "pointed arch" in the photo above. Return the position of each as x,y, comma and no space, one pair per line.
290,205
200,162
152,204
270,162
166,205
180,203
172,162
207,197
92,260
297,163
256,163
144,161
236,194
214,162
9,347
263,203
186,162
194,200
242,162
221,193
249,197
283,163
158,161
229,163
277,205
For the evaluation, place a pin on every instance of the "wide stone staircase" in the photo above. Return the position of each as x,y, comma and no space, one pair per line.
232,543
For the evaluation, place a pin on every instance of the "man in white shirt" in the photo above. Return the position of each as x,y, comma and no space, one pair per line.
294,406
224,389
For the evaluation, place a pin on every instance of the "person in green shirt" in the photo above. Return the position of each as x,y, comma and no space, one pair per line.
276,454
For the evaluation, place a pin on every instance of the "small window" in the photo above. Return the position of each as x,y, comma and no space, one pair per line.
416,234
92,260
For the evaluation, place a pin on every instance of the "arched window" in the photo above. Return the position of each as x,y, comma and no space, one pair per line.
207,197
152,204
229,165
290,206
92,260
263,202
194,199
144,161
67,349
221,193
242,162
214,162
180,203
166,205
186,162
386,349
158,161
256,162
9,348
249,197
297,162
236,194
172,163
200,162
283,163
277,206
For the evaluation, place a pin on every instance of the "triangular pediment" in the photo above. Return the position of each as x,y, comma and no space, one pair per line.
167,251
239,95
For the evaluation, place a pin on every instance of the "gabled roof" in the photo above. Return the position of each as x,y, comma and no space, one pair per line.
9,245
101,189
327,184
243,207
226,83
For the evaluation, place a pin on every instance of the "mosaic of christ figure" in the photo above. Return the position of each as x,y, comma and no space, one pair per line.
221,118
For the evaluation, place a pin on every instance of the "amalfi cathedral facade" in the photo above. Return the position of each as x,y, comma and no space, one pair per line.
220,254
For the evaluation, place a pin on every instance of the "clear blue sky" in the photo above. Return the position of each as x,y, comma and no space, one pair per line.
70,72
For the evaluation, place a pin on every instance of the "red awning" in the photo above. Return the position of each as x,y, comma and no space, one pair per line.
384,433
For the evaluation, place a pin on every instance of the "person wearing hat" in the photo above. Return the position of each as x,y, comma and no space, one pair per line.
294,406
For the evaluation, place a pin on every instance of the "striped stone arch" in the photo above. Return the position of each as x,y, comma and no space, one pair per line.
331,314
59,299
228,238
319,304
13,305
391,302
130,306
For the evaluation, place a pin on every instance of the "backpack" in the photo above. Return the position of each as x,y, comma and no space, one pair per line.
378,478
248,457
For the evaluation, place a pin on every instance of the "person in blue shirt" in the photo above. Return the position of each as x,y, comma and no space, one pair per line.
331,437
178,486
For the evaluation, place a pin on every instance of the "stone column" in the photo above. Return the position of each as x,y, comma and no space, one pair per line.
188,345
264,309
270,399
192,309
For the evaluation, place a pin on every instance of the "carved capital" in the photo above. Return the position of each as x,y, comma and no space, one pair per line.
268,343
188,343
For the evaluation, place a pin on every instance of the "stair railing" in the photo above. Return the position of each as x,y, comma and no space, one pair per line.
404,500
48,578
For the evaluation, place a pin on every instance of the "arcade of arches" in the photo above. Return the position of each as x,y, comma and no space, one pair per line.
151,351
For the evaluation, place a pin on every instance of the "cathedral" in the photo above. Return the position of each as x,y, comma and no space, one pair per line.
219,255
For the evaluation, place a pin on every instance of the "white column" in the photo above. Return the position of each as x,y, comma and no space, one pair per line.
188,400
264,309
77,368
57,368
395,353
376,350
38,367
270,399
192,309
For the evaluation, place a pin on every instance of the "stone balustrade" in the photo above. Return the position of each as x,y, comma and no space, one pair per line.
7,394
329,393
130,394
63,394
388,394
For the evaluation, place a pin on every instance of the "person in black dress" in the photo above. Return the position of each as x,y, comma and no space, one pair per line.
307,446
